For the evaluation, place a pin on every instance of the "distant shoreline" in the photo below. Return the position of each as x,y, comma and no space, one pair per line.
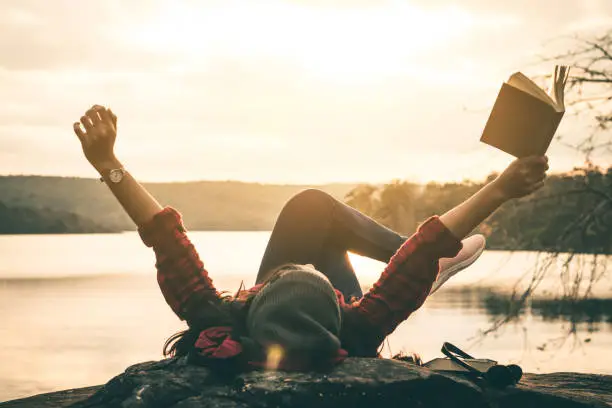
35,205
494,248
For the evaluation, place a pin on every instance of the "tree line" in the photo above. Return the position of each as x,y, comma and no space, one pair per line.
571,213
25,220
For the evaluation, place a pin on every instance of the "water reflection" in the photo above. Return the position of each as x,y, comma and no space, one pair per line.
75,332
597,313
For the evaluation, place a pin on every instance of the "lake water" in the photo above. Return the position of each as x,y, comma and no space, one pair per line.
75,310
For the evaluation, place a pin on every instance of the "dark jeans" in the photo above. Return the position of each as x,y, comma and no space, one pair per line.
315,228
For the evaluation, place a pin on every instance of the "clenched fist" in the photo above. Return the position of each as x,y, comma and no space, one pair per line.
97,131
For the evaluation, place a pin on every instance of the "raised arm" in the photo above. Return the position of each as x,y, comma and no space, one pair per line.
181,275
406,281
98,142
522,177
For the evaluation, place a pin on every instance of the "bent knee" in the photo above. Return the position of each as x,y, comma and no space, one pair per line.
310,198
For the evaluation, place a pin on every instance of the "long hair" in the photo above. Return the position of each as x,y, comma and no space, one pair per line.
223,311
219,312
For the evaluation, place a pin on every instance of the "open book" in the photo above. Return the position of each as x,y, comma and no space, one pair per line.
525,118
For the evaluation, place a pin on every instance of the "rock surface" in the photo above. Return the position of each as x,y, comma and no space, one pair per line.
356,383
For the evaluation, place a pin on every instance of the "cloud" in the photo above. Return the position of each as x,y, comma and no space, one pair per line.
347,88
67,35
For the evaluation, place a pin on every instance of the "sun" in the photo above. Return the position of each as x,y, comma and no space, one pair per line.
334,43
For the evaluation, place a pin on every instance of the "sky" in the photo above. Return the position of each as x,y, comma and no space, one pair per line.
274,91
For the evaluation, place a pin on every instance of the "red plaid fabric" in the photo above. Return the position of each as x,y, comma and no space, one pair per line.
407,279
180,272
216,343
401,289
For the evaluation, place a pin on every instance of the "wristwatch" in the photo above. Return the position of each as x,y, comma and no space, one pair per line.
115,175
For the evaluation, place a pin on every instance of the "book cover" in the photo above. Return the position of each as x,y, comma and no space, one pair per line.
524,119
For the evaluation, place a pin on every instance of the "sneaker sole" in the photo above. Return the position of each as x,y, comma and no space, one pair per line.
453,270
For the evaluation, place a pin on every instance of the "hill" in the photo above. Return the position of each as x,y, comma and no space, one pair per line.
205,205
24,220
573,212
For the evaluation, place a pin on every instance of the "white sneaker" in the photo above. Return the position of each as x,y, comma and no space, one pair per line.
449,267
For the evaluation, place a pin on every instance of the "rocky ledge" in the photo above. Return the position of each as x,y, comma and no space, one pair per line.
358,382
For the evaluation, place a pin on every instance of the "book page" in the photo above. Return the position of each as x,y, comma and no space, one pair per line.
520,81
557,89
446,364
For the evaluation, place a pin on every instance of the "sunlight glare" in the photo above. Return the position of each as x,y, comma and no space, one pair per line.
328,42
274,357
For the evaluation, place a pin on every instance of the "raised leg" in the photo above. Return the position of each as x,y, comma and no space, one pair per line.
315,228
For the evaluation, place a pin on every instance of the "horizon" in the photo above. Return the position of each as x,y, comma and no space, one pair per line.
331,182
275,93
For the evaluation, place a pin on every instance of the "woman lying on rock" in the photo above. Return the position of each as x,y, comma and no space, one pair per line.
307,310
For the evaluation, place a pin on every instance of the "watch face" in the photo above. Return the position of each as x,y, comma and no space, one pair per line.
115,175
